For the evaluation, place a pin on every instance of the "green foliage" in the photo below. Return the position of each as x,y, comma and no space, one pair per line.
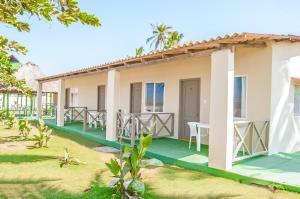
139,51
126,172
68,160
43,136
24,128
3,114
163,37
10,120
12,14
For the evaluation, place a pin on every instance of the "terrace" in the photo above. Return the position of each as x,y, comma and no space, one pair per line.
279,168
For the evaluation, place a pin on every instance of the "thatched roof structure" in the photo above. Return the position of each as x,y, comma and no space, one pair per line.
30,72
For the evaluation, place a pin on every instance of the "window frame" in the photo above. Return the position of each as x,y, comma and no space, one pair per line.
154,96
246,98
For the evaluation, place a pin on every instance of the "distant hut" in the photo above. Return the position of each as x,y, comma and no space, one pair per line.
14,100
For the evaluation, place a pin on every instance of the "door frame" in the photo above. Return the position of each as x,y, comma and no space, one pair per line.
180,118
130,95
98,104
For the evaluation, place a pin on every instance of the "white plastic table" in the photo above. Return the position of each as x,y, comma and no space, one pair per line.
199,127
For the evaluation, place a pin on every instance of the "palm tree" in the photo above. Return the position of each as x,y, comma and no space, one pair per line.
174,38
160,36
139,51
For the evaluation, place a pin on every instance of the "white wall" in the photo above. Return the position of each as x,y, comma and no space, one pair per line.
87,88
284,129
170,73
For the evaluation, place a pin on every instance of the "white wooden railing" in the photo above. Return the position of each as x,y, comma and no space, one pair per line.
250,139
131,125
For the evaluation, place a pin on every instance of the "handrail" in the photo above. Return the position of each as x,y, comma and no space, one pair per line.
250,139
131,125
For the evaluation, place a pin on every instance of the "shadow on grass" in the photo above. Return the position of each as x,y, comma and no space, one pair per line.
17,159
32,189
150,194
15,138
80,140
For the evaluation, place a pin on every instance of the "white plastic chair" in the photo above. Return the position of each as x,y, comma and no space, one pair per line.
193,131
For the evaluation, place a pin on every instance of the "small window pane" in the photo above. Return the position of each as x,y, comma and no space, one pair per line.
159,97
297,100
149,97
239,97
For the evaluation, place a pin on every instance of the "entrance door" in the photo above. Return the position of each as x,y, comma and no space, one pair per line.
101,98
67,98
135,97
189,105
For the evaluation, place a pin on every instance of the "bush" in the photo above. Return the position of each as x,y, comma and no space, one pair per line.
24,128
44,135
129,163
10,120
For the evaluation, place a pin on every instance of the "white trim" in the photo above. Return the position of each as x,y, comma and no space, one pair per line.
246,98
145,93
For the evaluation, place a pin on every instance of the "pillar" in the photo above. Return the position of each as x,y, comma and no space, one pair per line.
113,86
61,95
39,100
221,110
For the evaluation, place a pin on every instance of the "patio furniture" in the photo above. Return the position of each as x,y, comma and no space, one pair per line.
195,131
95,118
199,127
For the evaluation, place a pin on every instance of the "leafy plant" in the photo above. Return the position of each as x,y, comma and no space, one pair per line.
139,51
10,120
43,136
14,14
24,128
68,160
126,172
2,115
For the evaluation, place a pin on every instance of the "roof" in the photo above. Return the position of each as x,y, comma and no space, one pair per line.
29,72
187,48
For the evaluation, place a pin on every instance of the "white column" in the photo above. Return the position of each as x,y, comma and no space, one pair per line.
221,109
39,100
113,86
60,102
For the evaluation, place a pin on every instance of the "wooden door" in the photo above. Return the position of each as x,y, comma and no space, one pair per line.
135,97
189,105
101,98
67,98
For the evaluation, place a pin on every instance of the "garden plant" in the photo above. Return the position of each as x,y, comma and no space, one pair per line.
126,172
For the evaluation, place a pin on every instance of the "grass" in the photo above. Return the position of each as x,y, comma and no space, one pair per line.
27,172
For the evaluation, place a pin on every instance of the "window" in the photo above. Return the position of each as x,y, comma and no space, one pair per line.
239,100
155,97
297,100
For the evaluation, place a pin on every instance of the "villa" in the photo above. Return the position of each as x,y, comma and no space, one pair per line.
243,90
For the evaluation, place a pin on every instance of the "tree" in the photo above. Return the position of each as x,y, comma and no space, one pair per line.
174,38
139,51
164,37
159,35
13,14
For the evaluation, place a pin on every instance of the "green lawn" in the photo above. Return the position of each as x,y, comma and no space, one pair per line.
27,172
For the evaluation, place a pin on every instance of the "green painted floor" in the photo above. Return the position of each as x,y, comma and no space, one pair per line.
279,168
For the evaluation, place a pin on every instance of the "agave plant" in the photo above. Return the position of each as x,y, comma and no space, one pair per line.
67,160
24,128
126,172
10,120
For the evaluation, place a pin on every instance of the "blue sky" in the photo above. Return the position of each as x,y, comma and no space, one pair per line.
126,25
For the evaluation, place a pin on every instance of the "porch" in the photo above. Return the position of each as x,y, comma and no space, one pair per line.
281,168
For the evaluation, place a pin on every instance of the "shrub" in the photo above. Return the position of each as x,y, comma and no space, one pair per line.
126,172
24,128
68,160
10,120
43,136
